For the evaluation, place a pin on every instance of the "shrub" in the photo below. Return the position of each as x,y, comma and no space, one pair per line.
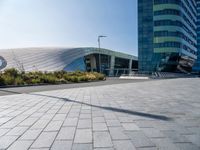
15,77
2,81
19,81
9,80
11,72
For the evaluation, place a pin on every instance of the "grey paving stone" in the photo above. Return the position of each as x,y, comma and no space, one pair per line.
66,133
147,148
20,145
53,126
187,146
164,143
82,147
45,140
99,127
139,139
104,149
130,126
31,134
70,121
113,123
85,116
6,141
3,131
125,119
84,123
47,117
17,131
194,138
10,124
40,124
28,122
71,115
59,117
117,133
39,149
124,145
132,116
98,119
175,137
102,139
109,116
62,145
83,136
152,132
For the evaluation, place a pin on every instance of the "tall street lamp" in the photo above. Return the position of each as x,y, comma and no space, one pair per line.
99,43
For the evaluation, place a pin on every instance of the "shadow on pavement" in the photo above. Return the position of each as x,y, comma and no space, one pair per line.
147,115
13,92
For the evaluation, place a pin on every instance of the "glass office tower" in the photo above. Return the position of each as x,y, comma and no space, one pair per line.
167,35
196,67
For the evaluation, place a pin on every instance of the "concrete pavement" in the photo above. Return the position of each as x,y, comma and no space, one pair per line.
28,89
159,114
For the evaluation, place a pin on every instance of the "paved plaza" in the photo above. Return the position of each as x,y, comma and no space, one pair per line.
150,115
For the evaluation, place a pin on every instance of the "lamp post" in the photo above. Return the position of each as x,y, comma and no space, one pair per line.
99,44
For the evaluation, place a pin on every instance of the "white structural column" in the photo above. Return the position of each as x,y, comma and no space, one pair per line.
130,65
112,65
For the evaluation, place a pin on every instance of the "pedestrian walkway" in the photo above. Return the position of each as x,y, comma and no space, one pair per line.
158,114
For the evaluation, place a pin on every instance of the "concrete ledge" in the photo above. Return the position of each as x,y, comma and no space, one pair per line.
134,77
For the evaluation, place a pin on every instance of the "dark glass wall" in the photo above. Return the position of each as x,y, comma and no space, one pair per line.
145,35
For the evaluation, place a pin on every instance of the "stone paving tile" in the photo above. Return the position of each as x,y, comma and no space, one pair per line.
98,119
66,133
20,145
130,126
187,146
113,123
53,126
194,138
70,121
28,122
62,145
40,124
117,133
175,137
31,134
124,145
104,149
99,127
139,139
153,133
45,140
17,131
119,117
6,141
84,123
82,147
59,117
83,136
164,143
3,131
102,139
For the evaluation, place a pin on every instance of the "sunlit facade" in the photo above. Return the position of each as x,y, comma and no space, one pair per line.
69,59
167,35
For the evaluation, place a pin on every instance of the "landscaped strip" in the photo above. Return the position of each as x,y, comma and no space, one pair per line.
14,77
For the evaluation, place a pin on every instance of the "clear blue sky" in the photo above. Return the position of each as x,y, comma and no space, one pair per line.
69,23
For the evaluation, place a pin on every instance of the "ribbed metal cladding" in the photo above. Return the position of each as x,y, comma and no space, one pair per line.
50,59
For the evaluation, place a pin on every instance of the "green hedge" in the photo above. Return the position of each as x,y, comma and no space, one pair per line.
14,77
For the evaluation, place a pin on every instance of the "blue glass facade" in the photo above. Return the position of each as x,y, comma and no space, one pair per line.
196,67
167,35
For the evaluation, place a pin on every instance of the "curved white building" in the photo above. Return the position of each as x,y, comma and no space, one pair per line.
68,59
